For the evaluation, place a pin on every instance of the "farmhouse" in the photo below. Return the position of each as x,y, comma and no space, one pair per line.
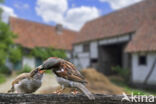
125,38
31,34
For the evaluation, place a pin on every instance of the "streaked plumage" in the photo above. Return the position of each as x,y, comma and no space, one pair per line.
27,82
66,74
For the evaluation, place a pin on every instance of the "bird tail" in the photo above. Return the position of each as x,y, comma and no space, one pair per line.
84,90
11,90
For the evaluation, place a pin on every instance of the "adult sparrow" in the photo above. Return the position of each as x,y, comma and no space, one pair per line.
66,74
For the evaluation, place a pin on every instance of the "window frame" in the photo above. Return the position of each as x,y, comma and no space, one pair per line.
142,60
86,47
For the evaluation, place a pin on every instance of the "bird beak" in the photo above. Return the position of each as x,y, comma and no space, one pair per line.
41,71
40,67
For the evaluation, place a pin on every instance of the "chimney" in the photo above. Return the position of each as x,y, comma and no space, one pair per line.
59,28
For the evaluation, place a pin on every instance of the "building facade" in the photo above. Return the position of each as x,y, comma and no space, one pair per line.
125,38
32,34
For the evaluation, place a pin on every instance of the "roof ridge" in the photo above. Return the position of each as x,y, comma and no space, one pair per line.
33,34
26,20
119,22
116,11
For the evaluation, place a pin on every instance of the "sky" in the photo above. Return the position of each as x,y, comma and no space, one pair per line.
72,14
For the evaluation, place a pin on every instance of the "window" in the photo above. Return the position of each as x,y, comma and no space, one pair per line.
86,47
38,62
94,60
142,60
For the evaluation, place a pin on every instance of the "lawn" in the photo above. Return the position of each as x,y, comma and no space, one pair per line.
128,89
2,78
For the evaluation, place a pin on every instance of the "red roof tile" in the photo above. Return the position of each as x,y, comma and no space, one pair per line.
144,39
118,23
32,34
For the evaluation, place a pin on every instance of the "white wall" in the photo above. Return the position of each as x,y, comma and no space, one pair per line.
68,53
81,59
140,72
30,61
94,49
93,53
115,40
78,48
84,60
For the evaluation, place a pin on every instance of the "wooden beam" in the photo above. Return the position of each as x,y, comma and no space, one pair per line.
62,99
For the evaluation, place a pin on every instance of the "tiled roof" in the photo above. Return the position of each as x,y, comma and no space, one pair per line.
144,39
32,34
118,23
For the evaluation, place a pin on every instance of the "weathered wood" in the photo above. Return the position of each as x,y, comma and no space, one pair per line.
150,72
62,99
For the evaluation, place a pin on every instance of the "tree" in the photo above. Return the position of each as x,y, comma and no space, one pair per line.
13,52
1,1
7,45
44,53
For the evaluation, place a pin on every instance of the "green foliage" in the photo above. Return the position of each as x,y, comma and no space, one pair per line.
15,54
6,45
128,89
124,73
2,78
26,69
6,37
48,72
4,70
8,49
44,53
1,1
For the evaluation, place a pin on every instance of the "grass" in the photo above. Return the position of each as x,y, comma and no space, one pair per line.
128,89
49,72
2,78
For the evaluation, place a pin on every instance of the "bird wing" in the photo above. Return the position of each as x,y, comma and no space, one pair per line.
20,77
51,62
68,71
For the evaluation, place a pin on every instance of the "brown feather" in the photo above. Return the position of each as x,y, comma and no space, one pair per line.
23,76
20,77
69,72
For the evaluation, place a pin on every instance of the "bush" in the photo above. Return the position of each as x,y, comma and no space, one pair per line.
44,53
7,37
4,70
48,72
2,78
124,73
15,54
26,69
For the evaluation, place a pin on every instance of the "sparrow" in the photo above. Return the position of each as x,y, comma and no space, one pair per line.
27,82
66,75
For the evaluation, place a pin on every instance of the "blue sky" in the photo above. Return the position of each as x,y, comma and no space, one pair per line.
27,12
73,14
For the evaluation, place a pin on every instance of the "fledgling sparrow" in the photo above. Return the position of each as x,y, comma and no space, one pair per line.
27,82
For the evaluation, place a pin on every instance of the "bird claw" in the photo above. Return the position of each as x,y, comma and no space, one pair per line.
58,92
75,92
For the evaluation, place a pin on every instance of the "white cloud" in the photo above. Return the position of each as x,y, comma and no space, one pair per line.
21,6
7,11
57,11
117,4
51,10
77,17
